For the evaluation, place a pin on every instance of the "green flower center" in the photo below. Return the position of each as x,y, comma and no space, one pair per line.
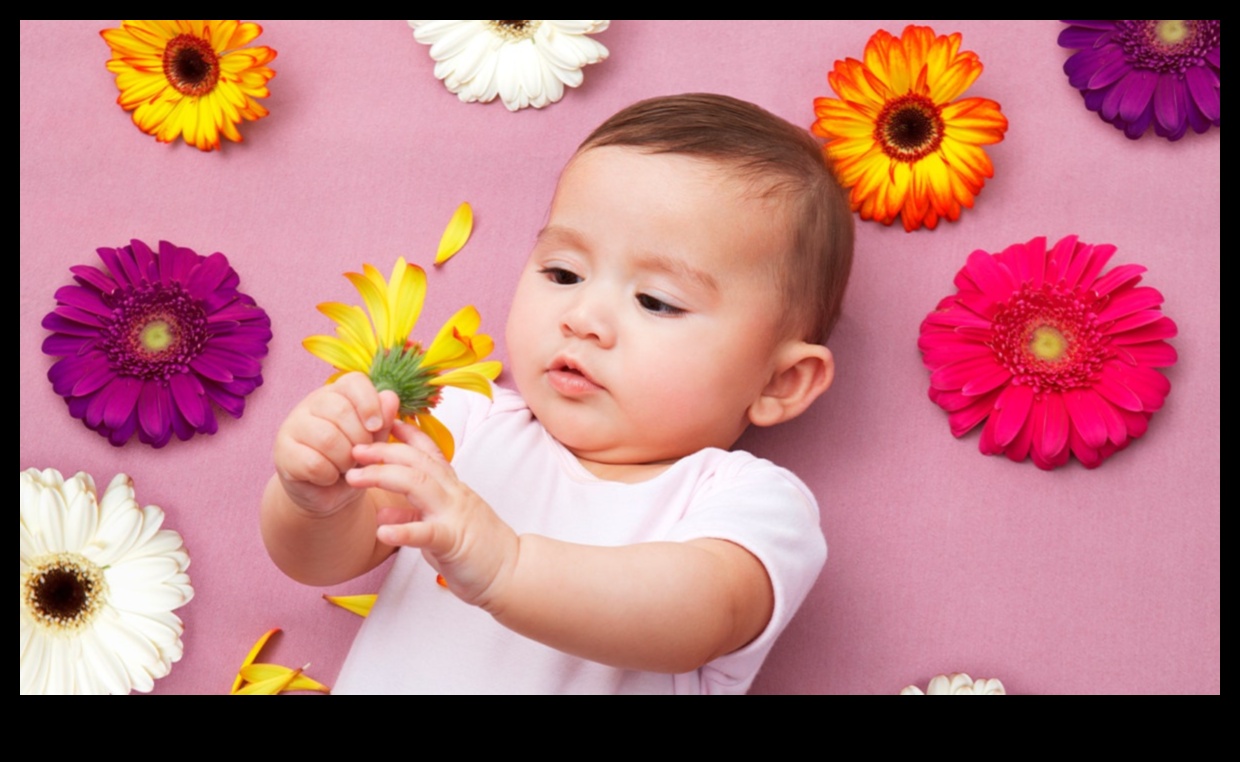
156,336
1047,343
1171,32
400,370
1167,45
63,592
1049,340
191,65
154,331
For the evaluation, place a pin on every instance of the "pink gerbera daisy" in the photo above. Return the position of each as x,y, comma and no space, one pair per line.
1054,356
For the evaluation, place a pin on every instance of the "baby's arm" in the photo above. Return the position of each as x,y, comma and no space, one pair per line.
317,528
659,606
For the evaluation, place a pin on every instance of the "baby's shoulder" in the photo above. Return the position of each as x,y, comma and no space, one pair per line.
733,475
728,466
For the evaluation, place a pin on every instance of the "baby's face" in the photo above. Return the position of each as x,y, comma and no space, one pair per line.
647,319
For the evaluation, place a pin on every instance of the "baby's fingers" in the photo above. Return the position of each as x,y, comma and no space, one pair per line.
359,393
422,489
436,539
417,439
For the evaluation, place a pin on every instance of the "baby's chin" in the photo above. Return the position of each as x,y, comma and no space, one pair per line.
588,447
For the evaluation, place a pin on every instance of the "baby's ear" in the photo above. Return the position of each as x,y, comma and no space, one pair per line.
803,371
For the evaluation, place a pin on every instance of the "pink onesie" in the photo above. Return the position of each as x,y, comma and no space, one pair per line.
421,639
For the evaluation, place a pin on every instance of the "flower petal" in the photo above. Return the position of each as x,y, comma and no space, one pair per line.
438,433
358,604
1013,411
340,354
456,233
253,654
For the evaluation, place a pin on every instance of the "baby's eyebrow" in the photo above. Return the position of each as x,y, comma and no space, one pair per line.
649,260
678,268
558,234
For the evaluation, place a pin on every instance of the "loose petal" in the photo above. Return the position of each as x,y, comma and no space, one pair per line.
358,604
456,234
252,655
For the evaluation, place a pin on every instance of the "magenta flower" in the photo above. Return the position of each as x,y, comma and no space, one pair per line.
1138,73
145,345
1055,357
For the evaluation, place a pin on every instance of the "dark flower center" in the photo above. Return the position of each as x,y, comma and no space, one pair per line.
64,591
515,29
909,128
1049,341
1171,46
191,65
155,332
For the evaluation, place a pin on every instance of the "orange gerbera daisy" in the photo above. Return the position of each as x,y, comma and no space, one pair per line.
193,79
898,136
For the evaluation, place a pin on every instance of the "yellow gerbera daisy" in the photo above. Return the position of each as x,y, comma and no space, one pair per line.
897,134
190,78
394,361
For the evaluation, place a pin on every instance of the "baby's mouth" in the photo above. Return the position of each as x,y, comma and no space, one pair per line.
569,379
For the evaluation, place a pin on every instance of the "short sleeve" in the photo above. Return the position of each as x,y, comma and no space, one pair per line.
768,511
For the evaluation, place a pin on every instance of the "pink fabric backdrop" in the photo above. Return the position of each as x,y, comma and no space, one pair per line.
941,559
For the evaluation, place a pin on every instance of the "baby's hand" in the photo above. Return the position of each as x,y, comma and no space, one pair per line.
459,534
314,445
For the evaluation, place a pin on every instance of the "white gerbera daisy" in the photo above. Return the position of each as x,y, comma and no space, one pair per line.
99,582
957,684
526,63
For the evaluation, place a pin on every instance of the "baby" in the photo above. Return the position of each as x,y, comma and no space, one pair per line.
595,532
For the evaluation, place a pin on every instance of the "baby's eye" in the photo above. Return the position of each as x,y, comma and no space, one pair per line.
658,306
560,276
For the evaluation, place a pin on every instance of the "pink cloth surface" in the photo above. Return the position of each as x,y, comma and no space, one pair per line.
941,559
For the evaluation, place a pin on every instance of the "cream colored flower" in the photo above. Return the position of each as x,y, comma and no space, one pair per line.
957,684
99,582
525,63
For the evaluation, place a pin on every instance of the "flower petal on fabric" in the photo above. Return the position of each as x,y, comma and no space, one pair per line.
456,233
358,604
252,655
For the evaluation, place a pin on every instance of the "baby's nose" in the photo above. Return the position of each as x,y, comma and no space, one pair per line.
590,321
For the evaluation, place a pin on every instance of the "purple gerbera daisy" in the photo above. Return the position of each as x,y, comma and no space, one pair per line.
1138,73
144,346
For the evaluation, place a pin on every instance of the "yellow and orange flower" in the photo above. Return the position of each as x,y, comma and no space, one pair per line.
897,135
193,79
392,359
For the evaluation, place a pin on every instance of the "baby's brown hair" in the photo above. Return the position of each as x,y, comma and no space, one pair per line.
782,160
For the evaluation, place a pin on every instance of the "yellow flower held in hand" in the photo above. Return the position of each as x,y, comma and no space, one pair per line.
392,359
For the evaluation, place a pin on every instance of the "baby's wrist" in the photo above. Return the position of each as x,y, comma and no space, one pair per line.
308,502
496,598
